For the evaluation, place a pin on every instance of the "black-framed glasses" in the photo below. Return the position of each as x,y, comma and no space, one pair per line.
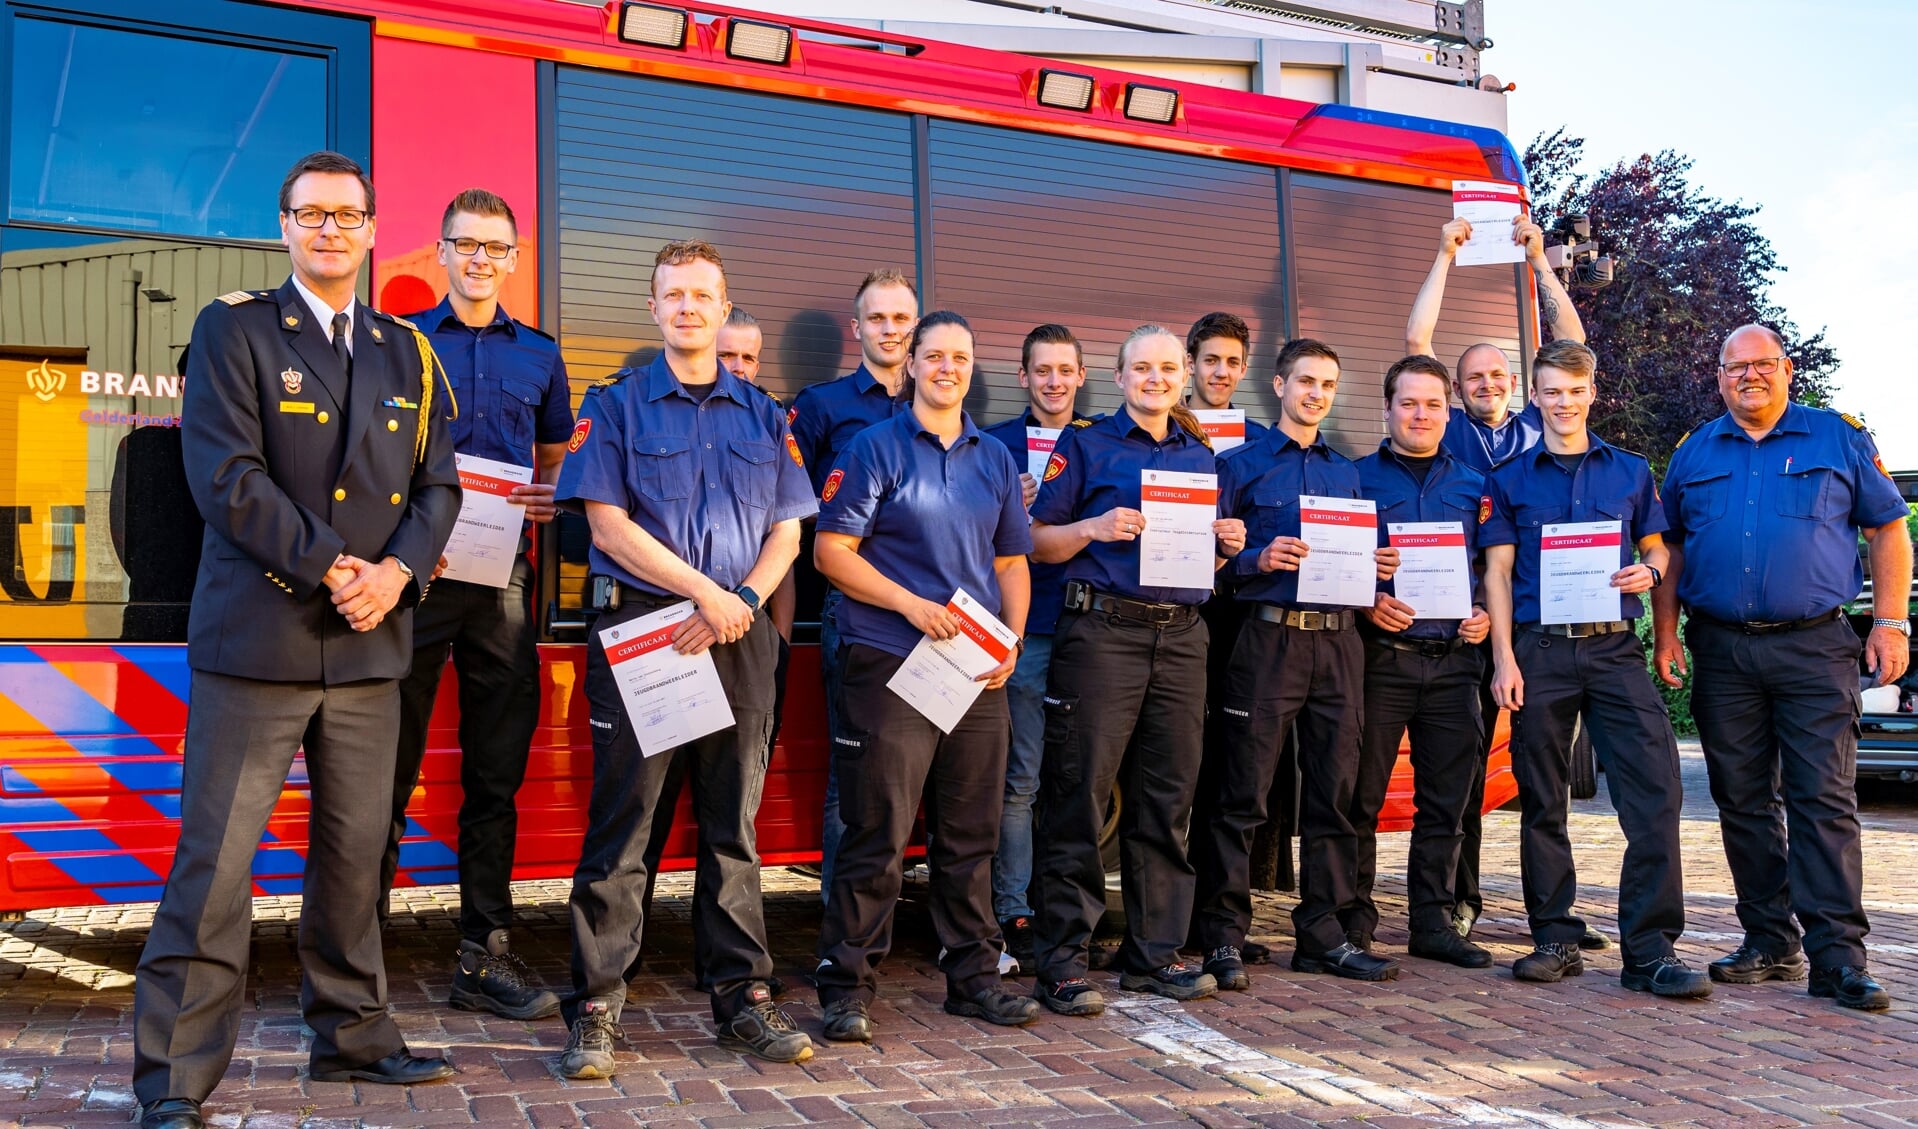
1764,366
346,219
465,248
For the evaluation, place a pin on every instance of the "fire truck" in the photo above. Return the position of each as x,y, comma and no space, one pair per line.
143,147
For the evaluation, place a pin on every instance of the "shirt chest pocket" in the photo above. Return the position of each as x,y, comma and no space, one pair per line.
1810,489
1529,516
663,467
1275,513
754,472
1703,500
518,409
1460,506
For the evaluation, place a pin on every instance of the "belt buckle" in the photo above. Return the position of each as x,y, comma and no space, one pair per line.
1312,621
1433,649
1158,616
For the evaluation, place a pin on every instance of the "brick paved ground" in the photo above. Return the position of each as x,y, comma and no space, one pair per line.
1442,1046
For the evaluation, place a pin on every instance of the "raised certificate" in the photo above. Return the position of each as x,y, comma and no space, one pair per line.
1225,427
670,698
1434,575
1039,444
1576,561
1490,207
1177,549
1342,534
940,678
485,540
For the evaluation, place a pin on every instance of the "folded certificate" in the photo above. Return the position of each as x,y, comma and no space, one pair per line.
1177,549
1342,534
670,698
1225,427
1039,444
485,540
1490,207
1434,574
1575,567
940,678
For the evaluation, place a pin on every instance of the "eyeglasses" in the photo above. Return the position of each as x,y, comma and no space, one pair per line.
346,219
465,248
1764,367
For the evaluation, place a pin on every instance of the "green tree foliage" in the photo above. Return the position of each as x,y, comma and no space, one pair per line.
1693,268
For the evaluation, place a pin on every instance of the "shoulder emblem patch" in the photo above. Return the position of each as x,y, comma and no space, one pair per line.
580,431
1055,466
1853,420
832,484
236,297
1878,461
1484,508
792,448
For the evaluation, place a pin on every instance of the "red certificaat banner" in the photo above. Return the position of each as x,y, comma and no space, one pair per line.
975,631
1179,495
633,648
1580,541
1354,518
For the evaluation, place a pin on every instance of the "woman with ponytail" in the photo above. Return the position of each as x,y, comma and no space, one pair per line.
914,510
1128,672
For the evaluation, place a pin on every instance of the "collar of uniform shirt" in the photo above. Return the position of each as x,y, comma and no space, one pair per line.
1441,456
865,381
968,431
437,317
325,313
1123,422
1539,453
660,382
1792,421
1276,436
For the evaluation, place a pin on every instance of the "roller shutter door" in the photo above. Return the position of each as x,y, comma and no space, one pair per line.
801,199
1030,228
1361,251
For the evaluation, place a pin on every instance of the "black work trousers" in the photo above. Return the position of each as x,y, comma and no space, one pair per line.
1436,698
890,757
727,770
1281,676
1778,718
1125,705
489,634
1605,677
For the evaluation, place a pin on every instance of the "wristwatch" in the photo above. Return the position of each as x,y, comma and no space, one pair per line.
404,571
1658,578
1903,625
749,596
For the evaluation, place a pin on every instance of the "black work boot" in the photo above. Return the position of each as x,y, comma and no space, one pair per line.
490,978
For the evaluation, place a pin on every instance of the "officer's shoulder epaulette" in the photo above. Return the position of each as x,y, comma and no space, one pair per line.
396,320
1853,420
1629,451
535,331
1681,441
609,381
239,296
766,392
1086,422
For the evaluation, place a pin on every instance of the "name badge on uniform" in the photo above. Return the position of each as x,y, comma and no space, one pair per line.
298,407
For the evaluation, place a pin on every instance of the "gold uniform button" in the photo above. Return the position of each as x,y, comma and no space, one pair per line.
339,495
322,417
392,425
395,499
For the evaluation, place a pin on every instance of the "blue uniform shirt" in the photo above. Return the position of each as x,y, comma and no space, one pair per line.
1048,580
1531,491
1097,468
825,417
1260,484
931,519
707,480
1770,528
1452,492
510,382
1481,447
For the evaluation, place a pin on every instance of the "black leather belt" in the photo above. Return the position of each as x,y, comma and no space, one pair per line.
1578,630
1429,648
1771,628
1082,597
1304,620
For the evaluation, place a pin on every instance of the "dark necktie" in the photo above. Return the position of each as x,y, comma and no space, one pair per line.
340,350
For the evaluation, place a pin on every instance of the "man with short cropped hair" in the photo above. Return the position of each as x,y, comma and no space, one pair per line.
739,344
1220,346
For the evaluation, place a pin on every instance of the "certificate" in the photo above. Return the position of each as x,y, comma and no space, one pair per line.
1576,561
1225,427
1039,444
1434,574
485,540
670,698
940,678
1342,534
1490,207
1177,549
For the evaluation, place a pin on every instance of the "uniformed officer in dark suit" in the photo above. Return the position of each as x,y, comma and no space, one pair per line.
1766,503
316,447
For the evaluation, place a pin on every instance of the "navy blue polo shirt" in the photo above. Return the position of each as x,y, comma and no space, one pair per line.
825,417
1048,580
1532,490
930,518
1260,484
1770,526
1099,467
707,480
1451,491
1481,447
510,382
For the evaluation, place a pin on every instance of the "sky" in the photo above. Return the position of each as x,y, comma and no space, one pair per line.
1807,110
